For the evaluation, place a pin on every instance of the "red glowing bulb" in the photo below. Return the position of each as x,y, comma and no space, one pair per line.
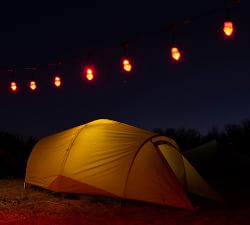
57,81
33,85
13,86
228,28
127,65
89,73
175,53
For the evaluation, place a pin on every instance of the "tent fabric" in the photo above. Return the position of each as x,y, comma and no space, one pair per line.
110,158
196,185
203,153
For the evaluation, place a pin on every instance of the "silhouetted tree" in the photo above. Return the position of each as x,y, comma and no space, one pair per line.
14,152
185,138
212,134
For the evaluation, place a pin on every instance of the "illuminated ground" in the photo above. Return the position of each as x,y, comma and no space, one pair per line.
39,207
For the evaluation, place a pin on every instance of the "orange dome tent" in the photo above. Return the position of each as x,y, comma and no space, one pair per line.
110,158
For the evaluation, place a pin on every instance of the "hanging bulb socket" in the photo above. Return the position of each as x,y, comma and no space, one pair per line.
126,62
228,26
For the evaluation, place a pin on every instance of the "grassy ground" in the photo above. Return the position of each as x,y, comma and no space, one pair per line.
37,207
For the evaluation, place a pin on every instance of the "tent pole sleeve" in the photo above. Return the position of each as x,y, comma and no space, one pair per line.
132,162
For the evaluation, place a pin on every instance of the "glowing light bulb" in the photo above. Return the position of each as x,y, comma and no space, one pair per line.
175,53
13,86
127,65
57,81
89,73
228,28
33,85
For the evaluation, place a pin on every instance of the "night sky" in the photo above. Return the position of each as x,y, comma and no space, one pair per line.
209,87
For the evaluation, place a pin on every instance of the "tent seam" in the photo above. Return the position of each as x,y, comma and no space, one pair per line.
132,162
68,149
178,151
166,164
168,143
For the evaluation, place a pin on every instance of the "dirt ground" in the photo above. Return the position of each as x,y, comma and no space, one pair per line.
38,207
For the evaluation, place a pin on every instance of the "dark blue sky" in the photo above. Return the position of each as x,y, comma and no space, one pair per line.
210,87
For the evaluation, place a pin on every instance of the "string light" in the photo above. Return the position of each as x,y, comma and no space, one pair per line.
13,86
126,65
126,62
57,81
228,28
33,85
175,53
89,73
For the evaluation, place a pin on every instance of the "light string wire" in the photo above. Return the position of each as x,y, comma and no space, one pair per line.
57,65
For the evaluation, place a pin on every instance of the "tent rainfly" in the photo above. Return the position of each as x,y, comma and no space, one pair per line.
110,158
